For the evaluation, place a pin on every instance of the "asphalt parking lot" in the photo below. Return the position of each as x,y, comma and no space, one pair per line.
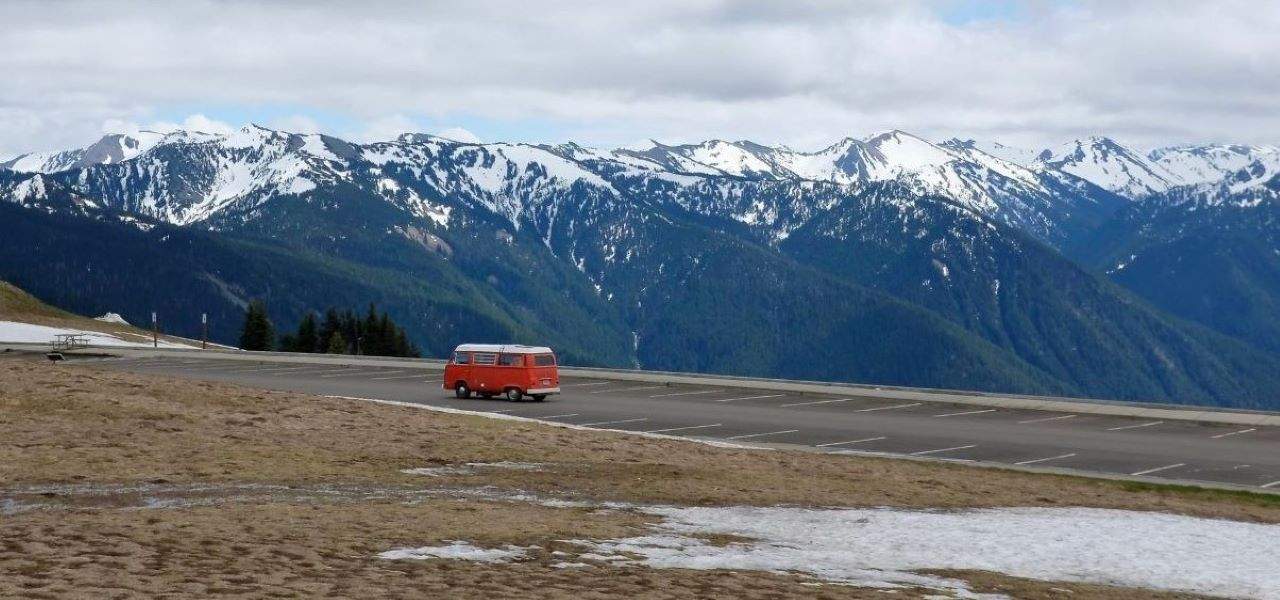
1175,450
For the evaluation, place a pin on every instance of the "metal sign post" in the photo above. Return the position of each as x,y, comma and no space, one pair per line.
204,331
155,331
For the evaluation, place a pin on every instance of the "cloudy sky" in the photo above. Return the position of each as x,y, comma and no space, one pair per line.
802,73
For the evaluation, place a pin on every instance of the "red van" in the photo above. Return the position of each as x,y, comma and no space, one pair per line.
511,370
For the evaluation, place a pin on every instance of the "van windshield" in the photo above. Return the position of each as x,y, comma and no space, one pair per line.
461,358
544,360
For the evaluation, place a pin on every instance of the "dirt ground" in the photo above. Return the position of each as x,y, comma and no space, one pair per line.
122,485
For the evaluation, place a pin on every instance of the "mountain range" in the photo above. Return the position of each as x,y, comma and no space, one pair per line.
1089,269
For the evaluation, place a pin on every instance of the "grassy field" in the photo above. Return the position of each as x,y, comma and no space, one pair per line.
123,485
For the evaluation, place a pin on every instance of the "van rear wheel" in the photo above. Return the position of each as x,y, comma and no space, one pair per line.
461,390
514,395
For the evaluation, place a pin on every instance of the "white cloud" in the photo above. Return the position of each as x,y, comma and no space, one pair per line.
459,134
385,129
801,73
195,122
296,124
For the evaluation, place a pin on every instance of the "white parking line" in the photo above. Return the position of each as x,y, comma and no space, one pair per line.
346,373
1048,419
1040,460
752,435
874,439
683,428
505,410
310,372
967,412
1270,485
888,407
418,376
1222,435
815,402
586,384
924,452
687,393
1158,469
557,416
630,389
1135,426
751,398
610,422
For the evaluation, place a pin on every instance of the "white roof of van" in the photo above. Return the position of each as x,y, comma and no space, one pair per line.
507,348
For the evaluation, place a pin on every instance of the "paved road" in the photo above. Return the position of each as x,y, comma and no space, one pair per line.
1240,455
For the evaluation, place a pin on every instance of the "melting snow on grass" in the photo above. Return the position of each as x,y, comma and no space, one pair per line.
891,548
472,468
459,550
886,547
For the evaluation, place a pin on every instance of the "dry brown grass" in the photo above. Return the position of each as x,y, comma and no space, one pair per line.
89,427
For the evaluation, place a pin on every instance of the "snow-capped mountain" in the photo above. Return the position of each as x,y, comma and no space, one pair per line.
1110,165
1047,205
190,177
1194,165
112,148
1013,154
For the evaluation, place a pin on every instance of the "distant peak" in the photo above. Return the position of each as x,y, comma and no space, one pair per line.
896,135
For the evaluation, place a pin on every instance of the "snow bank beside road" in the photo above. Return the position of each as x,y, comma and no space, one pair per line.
26,333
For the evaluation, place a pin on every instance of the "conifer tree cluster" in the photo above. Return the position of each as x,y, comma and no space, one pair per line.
258,332
345,332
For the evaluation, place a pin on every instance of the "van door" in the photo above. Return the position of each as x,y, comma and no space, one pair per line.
459,370
543,372
510,371
484,371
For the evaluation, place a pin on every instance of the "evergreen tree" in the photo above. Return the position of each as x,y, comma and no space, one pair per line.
307,339
332,325
337,345
258,333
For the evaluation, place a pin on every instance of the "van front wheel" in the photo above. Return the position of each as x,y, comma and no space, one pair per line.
514,394
462,391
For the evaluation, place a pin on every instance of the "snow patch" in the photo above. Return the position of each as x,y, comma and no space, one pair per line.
26,333
889,547
471,468
112,318
459,550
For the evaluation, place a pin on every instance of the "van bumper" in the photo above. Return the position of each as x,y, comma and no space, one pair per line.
540,391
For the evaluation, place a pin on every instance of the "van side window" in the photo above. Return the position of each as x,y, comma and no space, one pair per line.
461,358
484,358
511,360
544,360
